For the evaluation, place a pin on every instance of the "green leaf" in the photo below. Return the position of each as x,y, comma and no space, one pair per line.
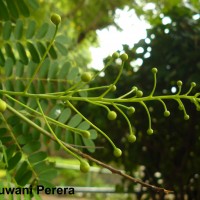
62,39
64,70
12,120
46,184
84,93
41,47
31,147
56,111
19,86
26,128
93,134
19,69
40,167
18,29
12,8
34,53
51,32
84,125
3,131
37,157
5,159
35,132
31,29
69,137
66,113
7,30
6,139
61,48
41,87
8,67
22,53
25,178
52,51
53,69
62,85
9,86
89,143
44,68
31,68
10,151
14,161
48,174
77,139
75,120
42,31
2,59
9,51
23,8
23,139
21,170
34,4
73,73
3,11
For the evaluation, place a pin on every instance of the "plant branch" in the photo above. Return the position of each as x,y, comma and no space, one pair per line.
41,61
113,170
119,172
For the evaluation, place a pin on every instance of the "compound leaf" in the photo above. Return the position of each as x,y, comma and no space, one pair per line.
21,170
24,179
42,31
12,8
7,30
31,29
18,29
64,116
34,53
12,162
75,120
23,8
31,147
37,157
22,53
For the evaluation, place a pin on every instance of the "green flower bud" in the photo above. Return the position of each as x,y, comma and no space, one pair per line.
56,19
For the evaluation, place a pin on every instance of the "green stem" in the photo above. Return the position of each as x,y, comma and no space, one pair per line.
102,100
55,136
102,70
41,61
154,84
163,103
191,87
126,118
148,114
80,90
18,145
134,89
182,107
99,104
89,122
53,121
116,80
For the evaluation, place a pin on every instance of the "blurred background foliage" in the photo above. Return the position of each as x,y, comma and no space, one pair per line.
170,157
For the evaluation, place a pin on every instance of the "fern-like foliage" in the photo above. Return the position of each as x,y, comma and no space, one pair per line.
42,90
23,45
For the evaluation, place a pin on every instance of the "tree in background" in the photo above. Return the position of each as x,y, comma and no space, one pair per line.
170,156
